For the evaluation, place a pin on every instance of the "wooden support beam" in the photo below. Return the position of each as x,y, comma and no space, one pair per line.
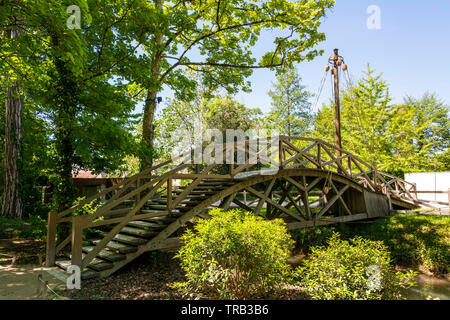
331,202
51,239
273,203
266,194
77,240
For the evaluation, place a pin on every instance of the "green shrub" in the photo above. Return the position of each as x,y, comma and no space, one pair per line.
351,270
236,255
33,228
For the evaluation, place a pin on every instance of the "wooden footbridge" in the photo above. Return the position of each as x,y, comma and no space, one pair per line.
312,183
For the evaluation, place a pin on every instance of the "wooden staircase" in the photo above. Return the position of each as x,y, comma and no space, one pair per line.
148,211
122,248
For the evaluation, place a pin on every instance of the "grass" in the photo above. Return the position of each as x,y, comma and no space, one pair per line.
414,240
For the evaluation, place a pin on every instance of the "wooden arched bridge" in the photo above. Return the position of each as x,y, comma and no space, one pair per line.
309,183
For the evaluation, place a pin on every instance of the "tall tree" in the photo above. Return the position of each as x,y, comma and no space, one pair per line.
83,94
12,200
412,136
420,135
291,109
216,38
365,115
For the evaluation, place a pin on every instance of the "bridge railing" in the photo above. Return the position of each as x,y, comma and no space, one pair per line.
316,153
285,152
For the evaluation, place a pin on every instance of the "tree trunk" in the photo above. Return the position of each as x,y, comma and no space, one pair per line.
148,129
12,201
66,106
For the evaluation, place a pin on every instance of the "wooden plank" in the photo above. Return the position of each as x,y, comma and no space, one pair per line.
51,239
296,184
266,193
226,203
331,202
193,184
106,254
125,220
273,203
139,232
242,205
145,225
340,198
293,201
305,200
116,246
77,240
323,222
135,241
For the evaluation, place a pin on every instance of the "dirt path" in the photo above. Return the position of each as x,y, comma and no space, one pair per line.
20,266
22,283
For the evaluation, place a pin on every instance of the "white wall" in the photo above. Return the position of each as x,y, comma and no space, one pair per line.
430,181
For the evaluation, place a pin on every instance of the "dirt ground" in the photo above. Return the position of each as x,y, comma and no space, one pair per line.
23,283
20,267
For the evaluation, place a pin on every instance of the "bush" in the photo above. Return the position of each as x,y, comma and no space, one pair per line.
236,255
351,270
34,228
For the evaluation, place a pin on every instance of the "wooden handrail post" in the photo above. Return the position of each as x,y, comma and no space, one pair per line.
51,239
448,199
280,152
77,240
415,193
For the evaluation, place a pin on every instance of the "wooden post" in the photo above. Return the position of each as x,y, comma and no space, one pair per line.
336,61
449,200
77,240
51,239
337,111
280,153
415,192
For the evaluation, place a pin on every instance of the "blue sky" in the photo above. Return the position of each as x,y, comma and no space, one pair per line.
412,49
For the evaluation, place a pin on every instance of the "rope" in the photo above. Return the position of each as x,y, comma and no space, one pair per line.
47,286
322,82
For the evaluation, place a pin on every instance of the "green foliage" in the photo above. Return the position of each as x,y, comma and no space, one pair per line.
414,240
195,117
291,110
33,228
358,269
88,209
236,255
410,137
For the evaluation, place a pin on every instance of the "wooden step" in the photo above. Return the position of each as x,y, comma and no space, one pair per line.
106,254
162,220
145,225
196,192
117,247
97,264
139,232
135,241
85,274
